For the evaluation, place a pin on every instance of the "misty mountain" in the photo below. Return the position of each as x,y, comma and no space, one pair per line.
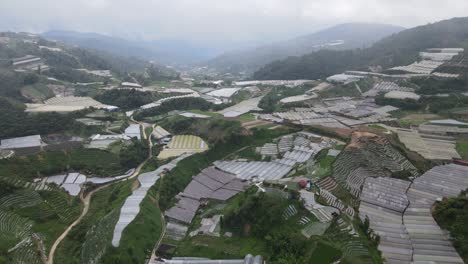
399,49
169,52
344,36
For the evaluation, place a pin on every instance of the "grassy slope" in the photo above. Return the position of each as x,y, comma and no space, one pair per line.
462,148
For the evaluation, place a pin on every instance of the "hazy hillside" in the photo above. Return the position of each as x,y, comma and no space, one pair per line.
168,52
398,49
345,36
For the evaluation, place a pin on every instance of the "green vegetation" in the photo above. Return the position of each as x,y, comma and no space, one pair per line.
221,248
14,122
405,104
270,102
212,130
132,155
175,181
323,164
324,254
37,92
140,236
432,86
91,162
462,148
452,215
126,99
350,89
101,217
377,127
25,211
259,228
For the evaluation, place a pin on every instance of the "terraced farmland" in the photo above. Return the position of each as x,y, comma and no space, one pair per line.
368,155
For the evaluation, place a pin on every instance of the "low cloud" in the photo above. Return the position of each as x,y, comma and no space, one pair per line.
218,21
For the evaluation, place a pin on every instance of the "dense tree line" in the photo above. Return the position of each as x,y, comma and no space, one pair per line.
14,122
404,104
431,86
398,49
259,215
125,99
132,155
452,215
72,75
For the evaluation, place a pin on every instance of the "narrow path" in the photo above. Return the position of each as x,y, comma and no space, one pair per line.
163,233
86,201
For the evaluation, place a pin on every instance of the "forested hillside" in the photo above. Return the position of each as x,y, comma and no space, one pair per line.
345,36
398,49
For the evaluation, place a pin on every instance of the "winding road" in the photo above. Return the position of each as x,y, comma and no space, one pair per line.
87,199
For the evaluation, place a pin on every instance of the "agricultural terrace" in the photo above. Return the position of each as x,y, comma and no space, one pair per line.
32,218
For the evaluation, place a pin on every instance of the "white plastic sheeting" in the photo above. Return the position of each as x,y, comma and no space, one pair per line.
131,207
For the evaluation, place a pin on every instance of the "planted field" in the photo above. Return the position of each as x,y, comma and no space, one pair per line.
368,155
29,218
102,206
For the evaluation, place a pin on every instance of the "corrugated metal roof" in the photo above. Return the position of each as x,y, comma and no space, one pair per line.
21,142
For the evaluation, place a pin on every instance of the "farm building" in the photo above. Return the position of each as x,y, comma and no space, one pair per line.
131,207
431,147
99,73
133,131
344,78
223,94
445,130
181,144
385,87
449,122
29,63
290,83
160,101
66,104
161,134
90,122
130,85
438,56
249,259
194,115
425,67
210,184
209,226
298,98
242,108
23,145
104,141
402,95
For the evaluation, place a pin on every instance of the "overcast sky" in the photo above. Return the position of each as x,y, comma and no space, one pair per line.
217,20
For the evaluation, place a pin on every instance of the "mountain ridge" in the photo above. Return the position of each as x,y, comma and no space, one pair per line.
353,35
